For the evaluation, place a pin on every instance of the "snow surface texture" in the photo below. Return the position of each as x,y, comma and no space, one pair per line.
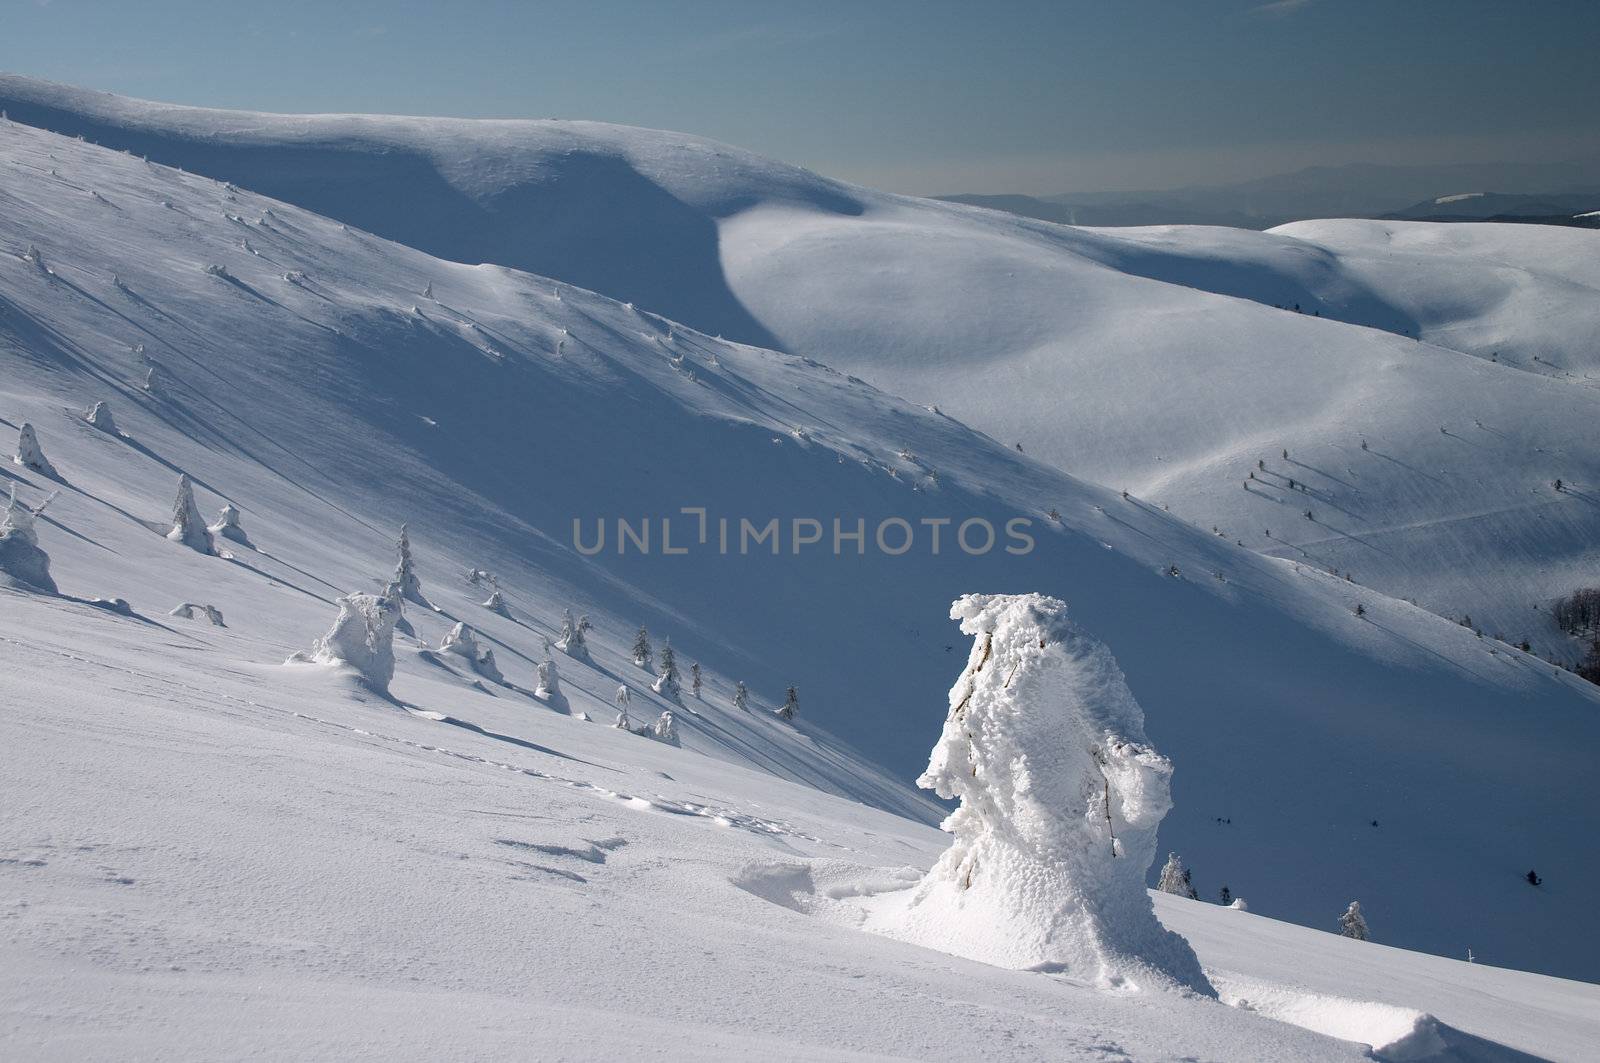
1060,797
1296,721
1167,361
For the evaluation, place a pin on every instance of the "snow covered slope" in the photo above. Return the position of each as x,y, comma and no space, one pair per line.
302,374
205,860
1155,360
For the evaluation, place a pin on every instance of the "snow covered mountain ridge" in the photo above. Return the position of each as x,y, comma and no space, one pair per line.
1418,389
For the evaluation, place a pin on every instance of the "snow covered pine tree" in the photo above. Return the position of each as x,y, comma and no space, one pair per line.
1061,797
1352,924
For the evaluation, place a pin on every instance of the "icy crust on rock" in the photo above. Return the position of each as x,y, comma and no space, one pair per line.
361,638
1060,796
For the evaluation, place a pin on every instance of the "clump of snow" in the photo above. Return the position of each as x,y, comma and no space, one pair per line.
361,638
227,524
461,640
22,562
1061,796
100,417
188,610
549,687
188,527
29,454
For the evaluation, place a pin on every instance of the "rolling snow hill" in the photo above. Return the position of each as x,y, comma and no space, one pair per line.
333,385
1165,361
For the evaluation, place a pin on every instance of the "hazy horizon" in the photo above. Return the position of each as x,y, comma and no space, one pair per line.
1033,98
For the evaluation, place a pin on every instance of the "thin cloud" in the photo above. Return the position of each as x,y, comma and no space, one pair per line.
1280,8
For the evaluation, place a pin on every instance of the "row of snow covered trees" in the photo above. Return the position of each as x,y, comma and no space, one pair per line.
668,680
1175,879
23,562
362,634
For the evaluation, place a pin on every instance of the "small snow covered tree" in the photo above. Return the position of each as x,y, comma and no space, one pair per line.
694,679
669,678
100,417
496,602
1060,799
790,706
1224,896
741,696
22,563
624,696
572,641
1352,924
188,527
227,524
623,722
643,656
1175,878
462,641
549,681
361,638
666,728
405,580
29,454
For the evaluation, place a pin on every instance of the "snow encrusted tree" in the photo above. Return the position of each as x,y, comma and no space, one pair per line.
29,454
361,638
666,728
549,686
23,564
100,417
188,527
694,679
741,696
643,656
1060,800
667,682
227,524
1175,878
1352,924
405,582
572,641
790,706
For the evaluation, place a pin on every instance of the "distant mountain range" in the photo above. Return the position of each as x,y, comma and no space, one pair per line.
1553,192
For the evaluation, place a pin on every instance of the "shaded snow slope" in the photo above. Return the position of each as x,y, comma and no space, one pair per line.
298,371
1147,359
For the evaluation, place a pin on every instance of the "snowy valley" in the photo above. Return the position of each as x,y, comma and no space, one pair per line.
509,338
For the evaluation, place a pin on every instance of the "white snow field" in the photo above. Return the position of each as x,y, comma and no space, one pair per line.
210,853
1437,382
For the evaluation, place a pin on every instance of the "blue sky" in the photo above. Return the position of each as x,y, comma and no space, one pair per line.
930,97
